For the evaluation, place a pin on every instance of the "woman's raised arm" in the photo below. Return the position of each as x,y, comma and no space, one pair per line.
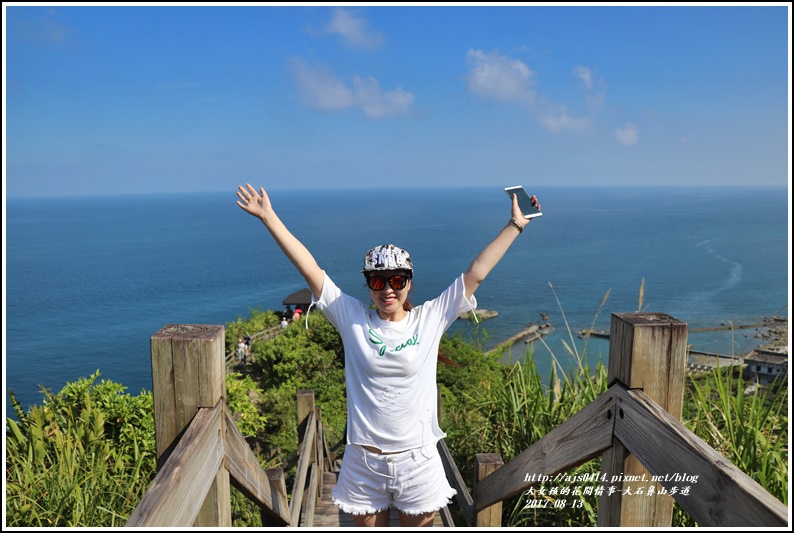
493,253
258,205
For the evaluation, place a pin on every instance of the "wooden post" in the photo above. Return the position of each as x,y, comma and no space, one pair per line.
485,464
278,487
305,406
188,372
647,351
320,455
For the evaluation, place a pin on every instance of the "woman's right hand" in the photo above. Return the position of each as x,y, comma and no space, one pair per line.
252,202
258,204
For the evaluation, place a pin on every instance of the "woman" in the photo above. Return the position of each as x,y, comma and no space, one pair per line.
391,354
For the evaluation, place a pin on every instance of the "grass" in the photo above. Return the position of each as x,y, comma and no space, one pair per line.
62,472
750,429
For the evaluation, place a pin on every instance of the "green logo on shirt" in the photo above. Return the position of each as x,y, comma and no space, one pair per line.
377,341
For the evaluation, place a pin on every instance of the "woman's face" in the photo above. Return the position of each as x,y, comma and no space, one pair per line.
388,301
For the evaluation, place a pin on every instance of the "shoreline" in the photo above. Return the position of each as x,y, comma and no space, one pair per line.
776,334
772,332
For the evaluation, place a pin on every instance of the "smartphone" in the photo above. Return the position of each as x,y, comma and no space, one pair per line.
524,203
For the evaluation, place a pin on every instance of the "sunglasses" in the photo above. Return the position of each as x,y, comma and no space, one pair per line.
378,283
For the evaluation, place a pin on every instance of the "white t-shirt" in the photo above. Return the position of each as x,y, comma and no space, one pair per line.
390,367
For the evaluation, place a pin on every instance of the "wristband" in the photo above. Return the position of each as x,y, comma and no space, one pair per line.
517,225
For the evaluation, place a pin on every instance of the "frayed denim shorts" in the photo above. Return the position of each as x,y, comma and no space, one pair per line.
412,481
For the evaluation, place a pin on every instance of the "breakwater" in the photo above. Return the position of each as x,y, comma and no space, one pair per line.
531,333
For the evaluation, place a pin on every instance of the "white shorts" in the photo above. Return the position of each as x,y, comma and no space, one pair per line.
413,481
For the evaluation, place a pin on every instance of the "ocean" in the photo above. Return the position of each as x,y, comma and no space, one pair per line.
89,280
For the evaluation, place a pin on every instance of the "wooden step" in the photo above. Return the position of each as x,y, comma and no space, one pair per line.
328,515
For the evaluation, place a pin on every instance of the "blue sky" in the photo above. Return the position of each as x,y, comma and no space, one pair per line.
123,99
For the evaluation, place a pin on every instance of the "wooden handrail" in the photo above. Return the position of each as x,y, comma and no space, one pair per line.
177,493
249,478
304,461
311,502
463,497
270,333
200,451
577,440
657,440
721,495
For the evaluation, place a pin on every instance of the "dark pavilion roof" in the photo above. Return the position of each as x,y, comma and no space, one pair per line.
301,297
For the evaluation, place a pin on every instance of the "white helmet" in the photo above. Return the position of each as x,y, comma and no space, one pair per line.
387,257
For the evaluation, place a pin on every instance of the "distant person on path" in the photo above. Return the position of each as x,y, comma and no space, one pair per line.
284,322
297,315
240,349
247,342
391,353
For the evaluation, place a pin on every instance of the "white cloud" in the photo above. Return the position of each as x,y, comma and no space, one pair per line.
354,30
563,121
499,77
628,134
375,103
595,87
584,74
320,88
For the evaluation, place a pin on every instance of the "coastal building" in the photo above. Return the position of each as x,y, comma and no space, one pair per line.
765,366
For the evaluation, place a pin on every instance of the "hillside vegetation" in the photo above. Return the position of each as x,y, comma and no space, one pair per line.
86,455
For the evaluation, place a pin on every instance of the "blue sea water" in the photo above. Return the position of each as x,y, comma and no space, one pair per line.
90,280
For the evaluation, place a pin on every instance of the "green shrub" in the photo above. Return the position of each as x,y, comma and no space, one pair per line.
301,359
83,459
242,397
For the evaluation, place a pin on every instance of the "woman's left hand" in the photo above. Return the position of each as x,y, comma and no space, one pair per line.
517,215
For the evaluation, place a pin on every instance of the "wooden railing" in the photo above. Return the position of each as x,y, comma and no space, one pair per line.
312,455
634,427
200,451
264,335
